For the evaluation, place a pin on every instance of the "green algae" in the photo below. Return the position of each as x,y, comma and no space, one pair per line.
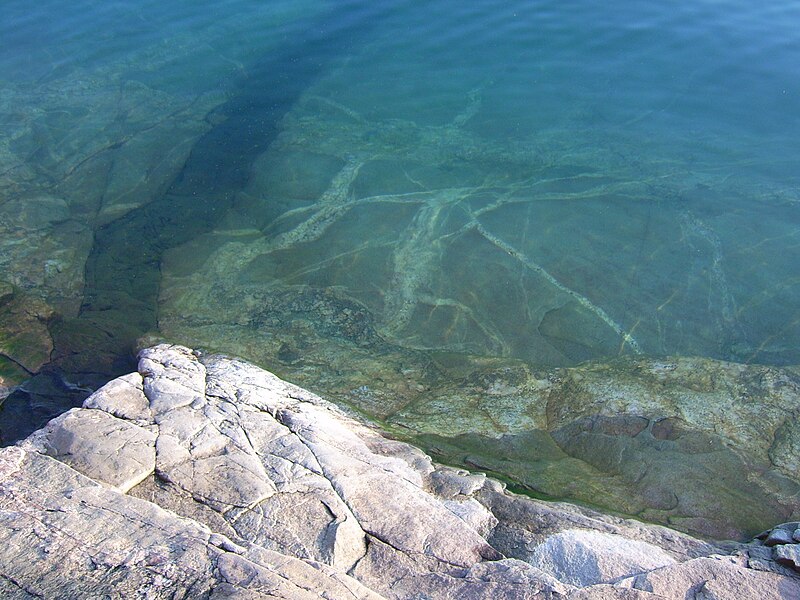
11,374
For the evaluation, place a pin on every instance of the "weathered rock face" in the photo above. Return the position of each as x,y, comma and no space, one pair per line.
208,477
75,538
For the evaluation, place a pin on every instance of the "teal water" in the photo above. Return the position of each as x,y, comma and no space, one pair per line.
364,197
615,132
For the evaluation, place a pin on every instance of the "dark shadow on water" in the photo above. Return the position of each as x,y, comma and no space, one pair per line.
123,268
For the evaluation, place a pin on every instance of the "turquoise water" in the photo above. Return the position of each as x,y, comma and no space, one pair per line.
648,154
377,200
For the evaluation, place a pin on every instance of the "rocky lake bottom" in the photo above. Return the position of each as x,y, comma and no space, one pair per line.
596,303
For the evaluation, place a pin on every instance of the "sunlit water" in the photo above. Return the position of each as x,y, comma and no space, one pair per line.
350,191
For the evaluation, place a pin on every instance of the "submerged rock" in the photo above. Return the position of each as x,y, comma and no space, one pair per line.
25,341
430,275
209,477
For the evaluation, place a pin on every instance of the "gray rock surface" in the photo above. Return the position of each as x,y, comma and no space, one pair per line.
718,578
788,554
779,536
66,536
204,476
780,545
113,451
581,557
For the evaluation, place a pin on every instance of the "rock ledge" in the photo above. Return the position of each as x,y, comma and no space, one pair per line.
206,477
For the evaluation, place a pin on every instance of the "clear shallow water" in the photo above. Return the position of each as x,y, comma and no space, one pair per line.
632,160
377,199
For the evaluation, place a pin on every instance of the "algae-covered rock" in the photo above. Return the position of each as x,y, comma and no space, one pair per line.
11,375
6,292
696,443
25,341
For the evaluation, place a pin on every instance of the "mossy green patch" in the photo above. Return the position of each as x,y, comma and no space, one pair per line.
11,373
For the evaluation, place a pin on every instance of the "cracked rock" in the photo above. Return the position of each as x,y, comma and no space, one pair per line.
788,554
203,476
110,450
777,536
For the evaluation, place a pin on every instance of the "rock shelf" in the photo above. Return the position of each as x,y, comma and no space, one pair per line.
206,476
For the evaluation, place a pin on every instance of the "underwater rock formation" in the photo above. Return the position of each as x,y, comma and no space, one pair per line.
206,476
84,144
25,342
456,241
559,317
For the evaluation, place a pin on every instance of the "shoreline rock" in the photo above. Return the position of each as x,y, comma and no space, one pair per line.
209,477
